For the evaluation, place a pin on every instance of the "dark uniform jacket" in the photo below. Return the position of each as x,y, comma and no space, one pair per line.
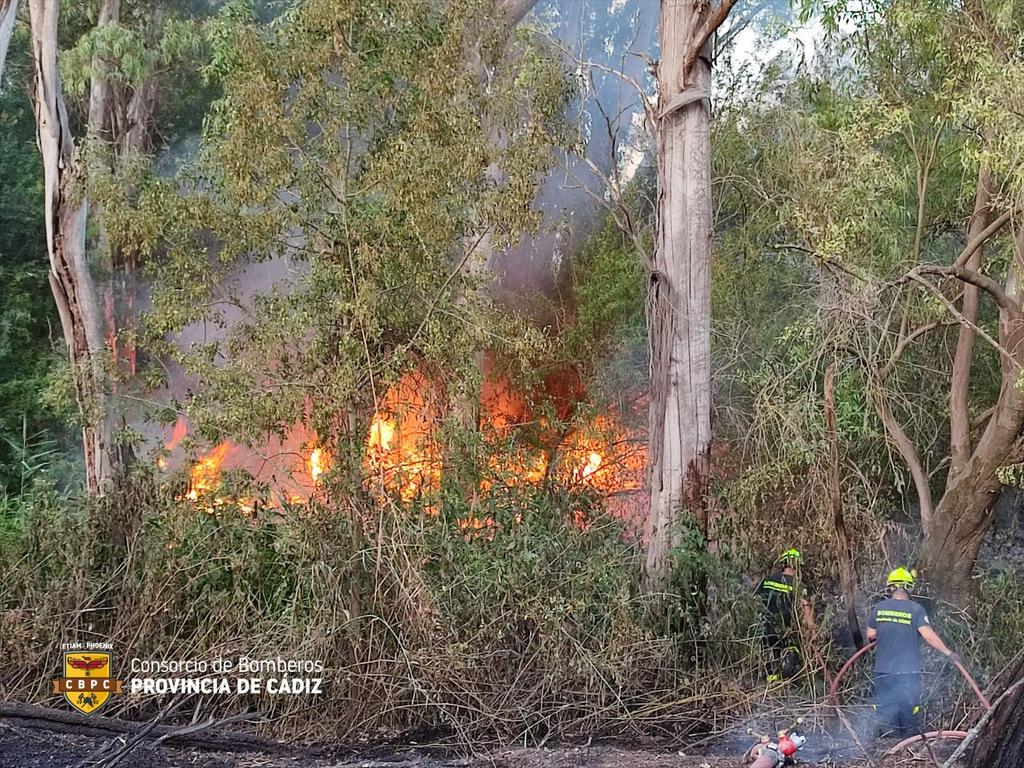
899,644
778,593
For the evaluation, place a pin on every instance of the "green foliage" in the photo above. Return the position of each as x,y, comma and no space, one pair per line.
128,57
850,179
355,151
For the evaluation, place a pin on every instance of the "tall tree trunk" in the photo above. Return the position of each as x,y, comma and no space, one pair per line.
8,12
963,515
847,575
479,245
679,304
66,216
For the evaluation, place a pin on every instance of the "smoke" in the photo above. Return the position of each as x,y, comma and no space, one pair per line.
609,44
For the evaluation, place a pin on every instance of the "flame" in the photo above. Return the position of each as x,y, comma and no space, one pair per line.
403,457
402,454
205,475
602,454
177,435
593,463
319,461
382,433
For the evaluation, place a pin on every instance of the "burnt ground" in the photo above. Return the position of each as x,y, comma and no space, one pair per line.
22,747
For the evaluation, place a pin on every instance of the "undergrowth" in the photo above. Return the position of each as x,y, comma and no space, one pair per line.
530,628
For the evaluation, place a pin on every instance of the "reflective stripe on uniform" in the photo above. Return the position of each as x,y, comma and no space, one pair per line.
778,586
894,617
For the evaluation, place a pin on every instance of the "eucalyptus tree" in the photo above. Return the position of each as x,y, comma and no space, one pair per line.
8,12
679,305
114,69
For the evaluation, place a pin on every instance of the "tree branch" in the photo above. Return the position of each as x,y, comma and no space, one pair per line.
984,282
959,410
905,341
714,20
1001,349
997,224
905,446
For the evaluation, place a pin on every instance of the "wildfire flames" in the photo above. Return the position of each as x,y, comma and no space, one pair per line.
403,458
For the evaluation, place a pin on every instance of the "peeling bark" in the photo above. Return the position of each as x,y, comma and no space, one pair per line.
8,12
679,303
66,216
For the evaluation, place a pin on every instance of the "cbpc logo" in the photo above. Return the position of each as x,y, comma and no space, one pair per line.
88,681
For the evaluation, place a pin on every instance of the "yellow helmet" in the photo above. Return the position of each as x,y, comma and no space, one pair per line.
791,555
901,577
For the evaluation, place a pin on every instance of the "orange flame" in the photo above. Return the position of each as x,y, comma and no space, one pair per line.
177,435
403,457
319,461
205,475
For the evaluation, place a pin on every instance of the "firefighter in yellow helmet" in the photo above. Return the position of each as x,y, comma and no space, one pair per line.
899,624
782,592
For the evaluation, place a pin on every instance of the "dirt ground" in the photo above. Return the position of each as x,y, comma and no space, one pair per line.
35,748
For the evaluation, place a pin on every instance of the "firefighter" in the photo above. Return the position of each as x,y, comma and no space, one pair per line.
781,591
898,624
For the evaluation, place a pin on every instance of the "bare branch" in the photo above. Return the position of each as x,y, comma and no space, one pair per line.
997,224
905,341
984,282
1002,350
905,446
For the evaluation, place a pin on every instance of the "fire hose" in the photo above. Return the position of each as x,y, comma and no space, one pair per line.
959,735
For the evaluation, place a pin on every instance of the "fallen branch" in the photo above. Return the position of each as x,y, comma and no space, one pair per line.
930,736
105,757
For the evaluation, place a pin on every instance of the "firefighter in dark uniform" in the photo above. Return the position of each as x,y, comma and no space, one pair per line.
781,592
899,624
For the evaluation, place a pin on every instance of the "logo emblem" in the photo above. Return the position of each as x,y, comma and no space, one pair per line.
87,683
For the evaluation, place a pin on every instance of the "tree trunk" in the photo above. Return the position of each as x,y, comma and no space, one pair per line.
679,310
8,12
479,245
963,515
1001,743
66,215
959,410
847,575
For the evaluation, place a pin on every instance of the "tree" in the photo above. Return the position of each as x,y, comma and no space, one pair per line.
486,48
1001,740
864,176
28,426
356,164
114,69
679,319
66,211
8,12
